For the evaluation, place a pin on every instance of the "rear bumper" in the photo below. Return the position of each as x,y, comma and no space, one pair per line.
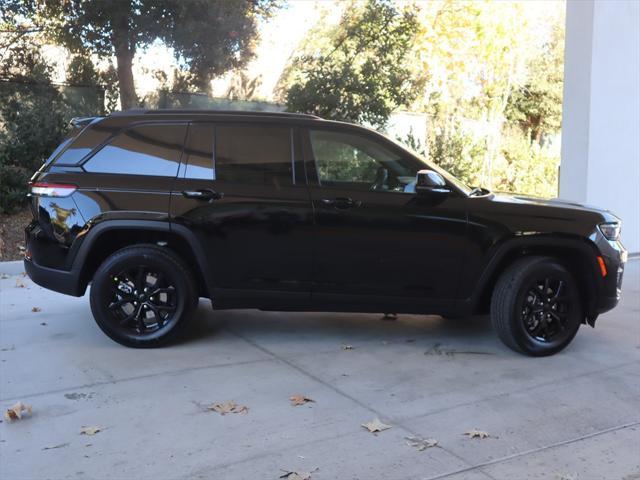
57,280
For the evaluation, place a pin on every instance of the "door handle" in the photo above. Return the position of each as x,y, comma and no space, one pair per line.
203,194
342,203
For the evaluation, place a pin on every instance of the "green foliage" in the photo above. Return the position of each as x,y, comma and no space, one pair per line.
82,71
458,153
209,37
525,167
536,106
34,116
362,73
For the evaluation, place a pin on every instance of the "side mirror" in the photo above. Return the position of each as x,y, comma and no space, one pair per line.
429,182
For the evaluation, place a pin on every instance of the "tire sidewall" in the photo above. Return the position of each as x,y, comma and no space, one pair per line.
128,258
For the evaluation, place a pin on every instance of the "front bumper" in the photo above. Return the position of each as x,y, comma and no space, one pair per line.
615,258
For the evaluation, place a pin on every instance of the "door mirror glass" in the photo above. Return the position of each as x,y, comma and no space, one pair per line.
431,182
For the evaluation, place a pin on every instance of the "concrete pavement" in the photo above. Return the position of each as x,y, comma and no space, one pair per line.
572,416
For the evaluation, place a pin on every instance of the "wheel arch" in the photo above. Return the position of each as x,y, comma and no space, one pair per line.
104,238
577,255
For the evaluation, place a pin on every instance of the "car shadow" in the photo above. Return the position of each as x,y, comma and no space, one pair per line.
313,327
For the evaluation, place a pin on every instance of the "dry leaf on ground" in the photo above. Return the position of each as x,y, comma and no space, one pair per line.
228,407
376,425
90,430
347,347
421,443
295,475
299,399
17,411
20,283
36,309
477,434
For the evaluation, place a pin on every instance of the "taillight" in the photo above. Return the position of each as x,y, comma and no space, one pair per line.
43,189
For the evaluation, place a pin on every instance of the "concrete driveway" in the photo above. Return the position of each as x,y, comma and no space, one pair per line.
572,416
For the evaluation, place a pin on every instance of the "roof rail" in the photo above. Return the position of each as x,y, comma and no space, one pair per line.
214,112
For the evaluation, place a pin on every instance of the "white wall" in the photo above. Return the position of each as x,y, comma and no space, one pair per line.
601,115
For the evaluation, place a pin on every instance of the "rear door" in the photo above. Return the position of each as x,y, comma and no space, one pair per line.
241,191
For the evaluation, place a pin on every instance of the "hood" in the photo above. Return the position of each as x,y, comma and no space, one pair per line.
553,203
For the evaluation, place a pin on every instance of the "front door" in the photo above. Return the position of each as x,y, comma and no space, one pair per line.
376,241
240,192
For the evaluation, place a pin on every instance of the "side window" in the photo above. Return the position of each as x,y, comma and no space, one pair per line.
354,161
199,152
143,150
253,154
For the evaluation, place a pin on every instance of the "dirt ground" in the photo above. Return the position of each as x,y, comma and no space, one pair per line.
12,234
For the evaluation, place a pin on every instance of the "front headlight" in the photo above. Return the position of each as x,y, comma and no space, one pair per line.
610,230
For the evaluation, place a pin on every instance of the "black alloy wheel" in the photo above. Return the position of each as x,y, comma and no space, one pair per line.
546,308
142,296
536,306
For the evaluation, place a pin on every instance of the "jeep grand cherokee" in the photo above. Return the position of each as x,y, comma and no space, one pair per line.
279,211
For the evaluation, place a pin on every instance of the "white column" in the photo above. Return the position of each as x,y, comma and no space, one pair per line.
601,112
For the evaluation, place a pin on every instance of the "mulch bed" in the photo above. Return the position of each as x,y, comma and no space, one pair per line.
12,234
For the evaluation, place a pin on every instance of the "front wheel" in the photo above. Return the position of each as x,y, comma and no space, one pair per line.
142,296
536,307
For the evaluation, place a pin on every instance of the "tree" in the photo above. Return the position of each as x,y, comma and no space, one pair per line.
208,37
33,119
536,106
362,73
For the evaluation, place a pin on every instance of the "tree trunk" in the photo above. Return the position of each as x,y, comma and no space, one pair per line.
125,49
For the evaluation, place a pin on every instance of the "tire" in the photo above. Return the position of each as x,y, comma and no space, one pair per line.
143,296
532,316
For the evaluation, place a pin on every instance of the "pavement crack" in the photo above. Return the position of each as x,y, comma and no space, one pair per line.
480,466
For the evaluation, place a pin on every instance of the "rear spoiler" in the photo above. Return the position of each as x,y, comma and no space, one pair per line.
80,122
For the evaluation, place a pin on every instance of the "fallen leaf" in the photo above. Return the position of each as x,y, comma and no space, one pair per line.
20,283
296,475
347,347
421,443
299,399
53,447
36,309
90,430
44,324
228,407
17,411
376,425
477,434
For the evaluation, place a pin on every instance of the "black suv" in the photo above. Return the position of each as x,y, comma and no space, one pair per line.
281,211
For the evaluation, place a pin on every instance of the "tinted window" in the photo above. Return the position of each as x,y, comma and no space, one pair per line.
143,150
199,152
254,154
346,158
82,145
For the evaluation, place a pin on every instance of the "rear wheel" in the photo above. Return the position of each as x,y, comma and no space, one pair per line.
142,296
536,307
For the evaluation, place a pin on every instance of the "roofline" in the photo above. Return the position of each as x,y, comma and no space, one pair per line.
249,113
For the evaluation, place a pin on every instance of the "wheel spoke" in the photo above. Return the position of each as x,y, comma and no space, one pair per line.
121,302
128,318
168,289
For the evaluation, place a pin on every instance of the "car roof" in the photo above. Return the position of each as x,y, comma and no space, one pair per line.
217,113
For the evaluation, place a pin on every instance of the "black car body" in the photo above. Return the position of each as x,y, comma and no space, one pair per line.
292,212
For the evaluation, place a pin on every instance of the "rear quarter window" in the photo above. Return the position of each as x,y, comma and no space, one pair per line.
142,150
